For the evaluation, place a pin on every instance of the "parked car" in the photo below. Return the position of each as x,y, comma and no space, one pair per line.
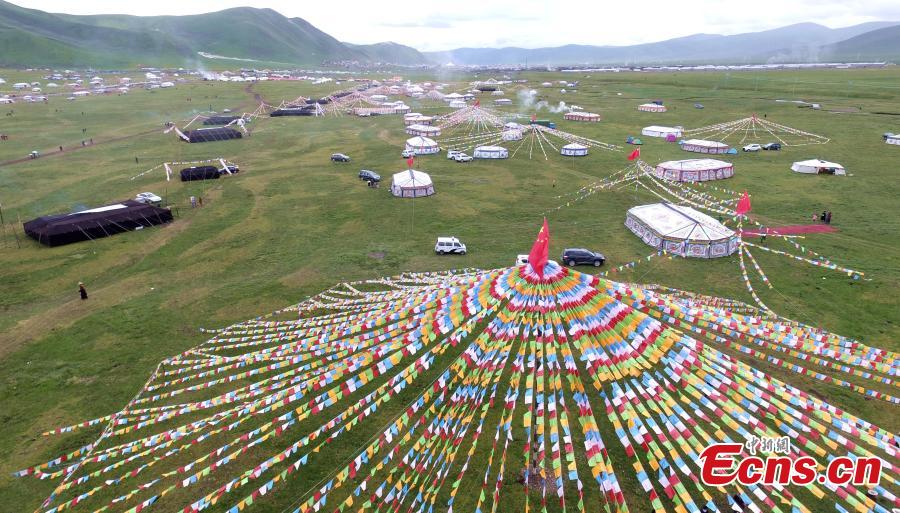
698,105
452,153
581,256
446,245
752,147
462,157
339,157
233,168
369,176
407,154
521,259
773,146
148,198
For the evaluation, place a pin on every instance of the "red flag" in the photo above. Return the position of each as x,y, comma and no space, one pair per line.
533,118
410,161
537,258
478,103
743,205
635,154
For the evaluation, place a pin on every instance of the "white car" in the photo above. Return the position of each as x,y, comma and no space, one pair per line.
408,153
752,147
446,245
453,153
462,157
521,259
148,198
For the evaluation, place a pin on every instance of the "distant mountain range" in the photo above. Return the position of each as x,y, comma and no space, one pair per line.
803,42
29,37
253,37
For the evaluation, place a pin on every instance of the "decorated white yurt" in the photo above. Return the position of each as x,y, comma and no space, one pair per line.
546,84
701,146
379,98
491,152
581,116
661,131
574,150
497,93
651,107
511,134
401,108
503,101
681,230
694,170
818,167
457,104
422,145
423,130
452,97
411,184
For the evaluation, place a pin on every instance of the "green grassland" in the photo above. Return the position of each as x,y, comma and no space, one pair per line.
292,224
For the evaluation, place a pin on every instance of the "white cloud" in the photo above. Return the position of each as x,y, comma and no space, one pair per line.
525,23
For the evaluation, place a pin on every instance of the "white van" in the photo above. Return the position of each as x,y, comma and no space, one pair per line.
446,245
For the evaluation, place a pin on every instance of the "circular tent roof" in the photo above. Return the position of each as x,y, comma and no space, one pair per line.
681,230
694,170
422,145
411,184
820,167
574,150
702,146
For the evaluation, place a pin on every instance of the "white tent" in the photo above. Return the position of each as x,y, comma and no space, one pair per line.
820,167
457,104
411,184
581,116
651,107
701,146
491,152
694,170
661,131
497,93
574,150
503,101
422,145
511,135
681,230
424,130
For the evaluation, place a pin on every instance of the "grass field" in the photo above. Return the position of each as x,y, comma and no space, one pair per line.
292,224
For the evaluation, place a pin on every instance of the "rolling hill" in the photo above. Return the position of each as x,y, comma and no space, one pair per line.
793,43
35,38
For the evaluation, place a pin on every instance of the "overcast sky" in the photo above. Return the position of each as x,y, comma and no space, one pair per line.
451,24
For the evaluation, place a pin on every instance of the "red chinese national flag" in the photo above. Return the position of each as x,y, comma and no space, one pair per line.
537,258
743,205
410,161
635,154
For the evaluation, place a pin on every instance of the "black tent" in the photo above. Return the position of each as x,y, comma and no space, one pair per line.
294,111
95,223
189,174
219,120
212,134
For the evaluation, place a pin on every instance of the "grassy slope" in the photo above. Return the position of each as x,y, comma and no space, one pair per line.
292,224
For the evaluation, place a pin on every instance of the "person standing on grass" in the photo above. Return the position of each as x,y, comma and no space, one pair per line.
828,217
82,291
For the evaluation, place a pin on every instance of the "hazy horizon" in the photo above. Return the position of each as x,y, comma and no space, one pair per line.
521,23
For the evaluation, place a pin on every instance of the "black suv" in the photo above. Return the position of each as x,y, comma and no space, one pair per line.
339,157
773,146
369,176
580,256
